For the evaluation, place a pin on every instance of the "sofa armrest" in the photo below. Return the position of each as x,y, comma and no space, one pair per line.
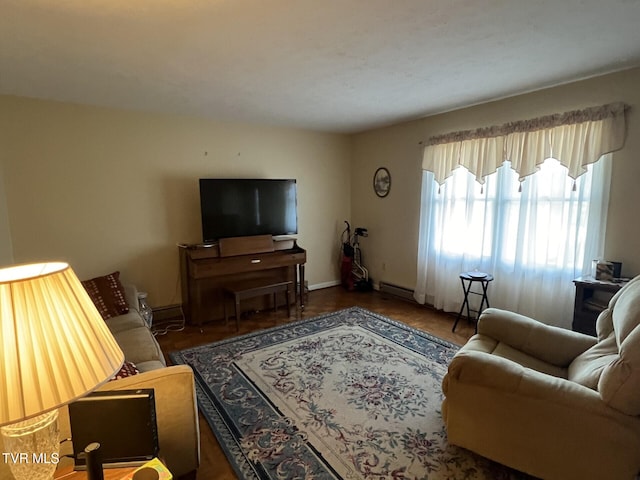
131,296
510,378
176,414
554,345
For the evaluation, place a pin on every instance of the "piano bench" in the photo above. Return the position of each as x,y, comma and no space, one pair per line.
255,288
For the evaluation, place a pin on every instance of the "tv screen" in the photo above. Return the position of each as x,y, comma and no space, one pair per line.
245,207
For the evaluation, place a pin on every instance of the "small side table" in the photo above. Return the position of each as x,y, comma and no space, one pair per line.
592,297
68,473
467,279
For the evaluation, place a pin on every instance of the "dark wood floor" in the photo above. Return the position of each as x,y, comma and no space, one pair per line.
214,464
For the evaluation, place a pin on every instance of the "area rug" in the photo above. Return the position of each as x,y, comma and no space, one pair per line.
346,395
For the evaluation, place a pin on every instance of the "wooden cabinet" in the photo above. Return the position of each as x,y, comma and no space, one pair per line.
592,297
204,271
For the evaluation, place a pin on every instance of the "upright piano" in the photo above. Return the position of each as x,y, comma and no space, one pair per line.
205,269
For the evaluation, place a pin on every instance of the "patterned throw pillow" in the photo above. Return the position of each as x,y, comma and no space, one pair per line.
128,369
107,294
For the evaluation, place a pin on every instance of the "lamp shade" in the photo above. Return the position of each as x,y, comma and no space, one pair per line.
54,345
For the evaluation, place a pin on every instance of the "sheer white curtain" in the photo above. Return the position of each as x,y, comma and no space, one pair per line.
534,242
526,201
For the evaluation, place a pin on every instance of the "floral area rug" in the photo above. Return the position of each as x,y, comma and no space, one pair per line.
347,395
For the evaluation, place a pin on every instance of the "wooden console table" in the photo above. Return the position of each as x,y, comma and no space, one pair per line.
205,270
592,297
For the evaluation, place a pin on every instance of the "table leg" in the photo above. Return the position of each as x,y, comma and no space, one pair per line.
485,287
301,277
237,298
466,296
224,306
485,299
465,289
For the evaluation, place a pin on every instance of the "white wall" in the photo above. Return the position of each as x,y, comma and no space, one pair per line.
116,190
6,248
391,249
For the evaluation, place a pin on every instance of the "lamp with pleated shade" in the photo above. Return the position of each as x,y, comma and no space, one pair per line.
54,348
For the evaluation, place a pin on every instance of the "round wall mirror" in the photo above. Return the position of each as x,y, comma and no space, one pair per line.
382,182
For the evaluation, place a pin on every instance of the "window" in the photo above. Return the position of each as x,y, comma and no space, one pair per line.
535,241
501,215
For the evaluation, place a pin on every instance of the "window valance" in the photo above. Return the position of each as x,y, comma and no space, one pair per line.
576,139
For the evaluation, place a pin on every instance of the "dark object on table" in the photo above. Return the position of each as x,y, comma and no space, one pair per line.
93,460
104,416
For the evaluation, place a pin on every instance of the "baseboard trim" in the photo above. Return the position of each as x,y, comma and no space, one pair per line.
319,286
397,291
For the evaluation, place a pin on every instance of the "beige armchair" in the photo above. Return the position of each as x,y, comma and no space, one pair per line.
547,401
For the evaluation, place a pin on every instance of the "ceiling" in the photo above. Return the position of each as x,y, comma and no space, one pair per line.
328,65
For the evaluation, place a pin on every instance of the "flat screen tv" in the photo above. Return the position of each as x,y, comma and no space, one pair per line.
245,207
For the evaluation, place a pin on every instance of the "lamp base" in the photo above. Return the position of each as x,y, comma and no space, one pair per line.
32,446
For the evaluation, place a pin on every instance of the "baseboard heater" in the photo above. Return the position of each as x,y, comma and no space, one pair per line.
167,313
396,291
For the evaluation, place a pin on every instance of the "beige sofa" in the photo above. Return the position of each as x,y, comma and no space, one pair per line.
548,401
176,409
